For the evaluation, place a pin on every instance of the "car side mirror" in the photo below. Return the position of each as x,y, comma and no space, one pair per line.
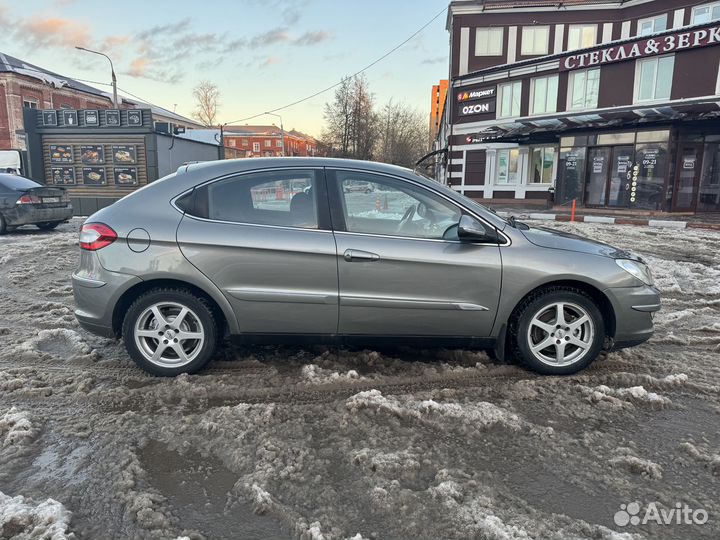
471,230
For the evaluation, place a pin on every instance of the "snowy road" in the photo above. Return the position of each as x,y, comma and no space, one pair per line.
320,443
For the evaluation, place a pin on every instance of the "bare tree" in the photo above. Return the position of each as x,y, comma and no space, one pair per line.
207,102
351,121
403,135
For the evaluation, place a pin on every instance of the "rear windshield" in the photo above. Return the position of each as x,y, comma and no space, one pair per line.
9,181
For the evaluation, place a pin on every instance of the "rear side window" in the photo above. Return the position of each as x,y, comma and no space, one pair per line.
281,198
9,181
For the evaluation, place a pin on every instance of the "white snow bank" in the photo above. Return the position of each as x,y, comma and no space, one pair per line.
57,342
317,375
16,428
21,518
636,465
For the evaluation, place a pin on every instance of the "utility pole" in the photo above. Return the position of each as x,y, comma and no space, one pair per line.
282,132
112,71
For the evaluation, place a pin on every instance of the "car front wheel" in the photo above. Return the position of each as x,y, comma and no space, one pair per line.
557,331
48,225
170,331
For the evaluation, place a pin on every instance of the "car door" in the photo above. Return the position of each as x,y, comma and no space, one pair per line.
264,239
401,268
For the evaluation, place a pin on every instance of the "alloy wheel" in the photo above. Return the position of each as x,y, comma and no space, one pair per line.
169,334
560,334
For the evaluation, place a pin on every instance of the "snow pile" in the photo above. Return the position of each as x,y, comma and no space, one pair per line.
635,465
619,397
703,455
21,518
316,375
16,429
59,342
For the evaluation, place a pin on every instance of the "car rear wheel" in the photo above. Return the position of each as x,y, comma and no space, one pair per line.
557,331
48,225
170,331
3,225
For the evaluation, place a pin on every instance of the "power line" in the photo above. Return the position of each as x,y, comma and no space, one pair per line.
378,60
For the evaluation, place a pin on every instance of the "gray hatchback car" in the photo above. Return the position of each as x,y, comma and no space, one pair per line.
278,249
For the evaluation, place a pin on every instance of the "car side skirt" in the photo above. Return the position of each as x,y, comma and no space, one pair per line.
365,340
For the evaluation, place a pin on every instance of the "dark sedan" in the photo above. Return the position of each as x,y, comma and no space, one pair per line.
25,202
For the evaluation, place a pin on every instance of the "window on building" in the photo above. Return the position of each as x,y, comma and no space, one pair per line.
278,142
581,36
65,106
653,78
652,24
510,94
489,41
543,95
507,166
706,13
231,142
268,143
30,104
535,40
256,147
584,89
244,142
542,165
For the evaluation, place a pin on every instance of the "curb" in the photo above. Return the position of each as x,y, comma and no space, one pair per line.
608,220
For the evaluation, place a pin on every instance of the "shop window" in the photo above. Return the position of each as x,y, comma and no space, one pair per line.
507,166
489,41
30,104
581,36
571,175
706,13
709,192
535,40
627,137
652,160
510,94
542,165
584,89
652,25
653,78
543,95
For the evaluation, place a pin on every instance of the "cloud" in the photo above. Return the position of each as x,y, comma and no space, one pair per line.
435,60
270,61
53,31
313,38
276,35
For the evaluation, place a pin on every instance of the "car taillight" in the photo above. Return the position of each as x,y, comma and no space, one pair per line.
25,199
94,236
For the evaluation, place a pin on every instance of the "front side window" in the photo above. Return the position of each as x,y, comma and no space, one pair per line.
374,204
706,13
542,165
653,78
280,198
489,41
584,89
581,36
510,94
535,40
652,25
544,92
507,166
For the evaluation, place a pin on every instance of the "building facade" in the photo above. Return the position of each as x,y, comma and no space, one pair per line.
268,141
613,104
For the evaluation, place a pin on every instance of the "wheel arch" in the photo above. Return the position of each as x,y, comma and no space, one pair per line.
129,296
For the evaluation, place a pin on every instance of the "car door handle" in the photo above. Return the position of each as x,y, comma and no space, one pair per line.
355,255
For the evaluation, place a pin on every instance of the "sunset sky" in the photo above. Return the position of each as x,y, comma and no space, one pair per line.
261,54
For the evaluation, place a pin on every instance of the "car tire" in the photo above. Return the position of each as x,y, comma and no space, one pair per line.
48,225
554,344
3,225
160,345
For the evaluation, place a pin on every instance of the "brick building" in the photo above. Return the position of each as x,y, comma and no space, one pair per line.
267,141
24,85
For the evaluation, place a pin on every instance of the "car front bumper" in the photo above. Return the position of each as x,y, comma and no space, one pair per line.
634,308
27,214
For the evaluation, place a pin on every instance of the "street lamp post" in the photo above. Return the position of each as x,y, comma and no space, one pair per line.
282,132
112,70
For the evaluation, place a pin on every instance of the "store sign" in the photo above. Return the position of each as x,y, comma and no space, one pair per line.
479,93
134,118
49,118
92,118
644,48
112,118
485,107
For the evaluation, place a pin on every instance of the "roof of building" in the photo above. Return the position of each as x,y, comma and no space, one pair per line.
207,136
11,64
271,130
507,4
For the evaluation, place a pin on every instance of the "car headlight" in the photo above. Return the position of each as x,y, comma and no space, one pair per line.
636,269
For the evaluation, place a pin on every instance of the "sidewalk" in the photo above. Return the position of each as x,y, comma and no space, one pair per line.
610,217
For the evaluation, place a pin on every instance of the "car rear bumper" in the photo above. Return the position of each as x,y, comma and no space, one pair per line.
27,214
97,292
634,308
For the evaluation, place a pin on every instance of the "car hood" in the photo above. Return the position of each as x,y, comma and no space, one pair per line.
552,239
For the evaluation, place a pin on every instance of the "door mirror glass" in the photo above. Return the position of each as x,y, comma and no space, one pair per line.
472,230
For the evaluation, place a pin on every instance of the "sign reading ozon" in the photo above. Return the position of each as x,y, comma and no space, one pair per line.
648,47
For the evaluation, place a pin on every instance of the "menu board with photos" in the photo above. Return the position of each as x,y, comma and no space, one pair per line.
124,153
92,154
61,153
63,175
126,175
94,176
